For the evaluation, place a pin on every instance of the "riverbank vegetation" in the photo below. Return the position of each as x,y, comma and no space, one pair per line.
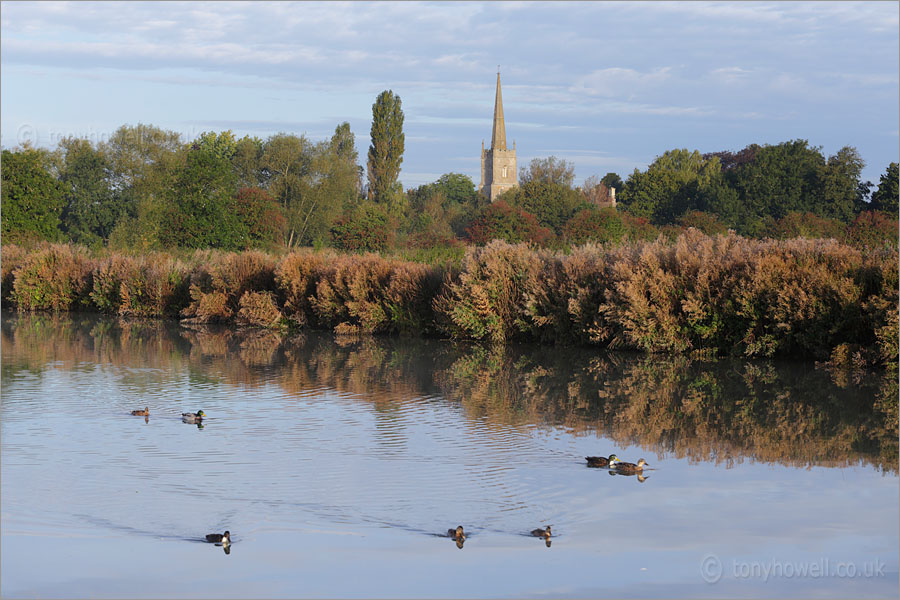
712,295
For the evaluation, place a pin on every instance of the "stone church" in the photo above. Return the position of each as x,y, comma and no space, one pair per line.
498,165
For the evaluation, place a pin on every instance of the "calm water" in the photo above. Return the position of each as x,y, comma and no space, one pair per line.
336,463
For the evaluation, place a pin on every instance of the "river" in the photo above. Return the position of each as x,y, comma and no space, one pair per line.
339,463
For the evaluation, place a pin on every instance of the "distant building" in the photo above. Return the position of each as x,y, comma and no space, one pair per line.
498,165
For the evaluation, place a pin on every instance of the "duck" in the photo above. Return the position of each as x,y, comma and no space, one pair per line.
219,538
193,417
601,461
544,533
141,413
458,534
631,468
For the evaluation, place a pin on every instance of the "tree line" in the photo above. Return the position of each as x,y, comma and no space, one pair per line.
146,188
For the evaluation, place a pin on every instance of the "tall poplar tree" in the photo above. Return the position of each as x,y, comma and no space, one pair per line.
386,151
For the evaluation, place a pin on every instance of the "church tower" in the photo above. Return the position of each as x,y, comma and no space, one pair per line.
498,165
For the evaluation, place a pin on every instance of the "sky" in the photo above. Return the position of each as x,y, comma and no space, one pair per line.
608,86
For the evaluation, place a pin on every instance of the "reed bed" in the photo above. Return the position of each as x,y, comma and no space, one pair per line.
696,294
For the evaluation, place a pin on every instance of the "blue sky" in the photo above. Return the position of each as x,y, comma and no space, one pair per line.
607,85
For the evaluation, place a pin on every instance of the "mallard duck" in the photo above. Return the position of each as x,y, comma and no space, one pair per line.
219,538
141,413
630,468
544,533
458,534
193,417
601,461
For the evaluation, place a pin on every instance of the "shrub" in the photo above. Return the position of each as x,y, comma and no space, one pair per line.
638,228
366,229
370,294
872,229
595,225
807,225
153,286
218,284
259,309
706,222
11,258
55,277
500,221
297,276
109,274
488,301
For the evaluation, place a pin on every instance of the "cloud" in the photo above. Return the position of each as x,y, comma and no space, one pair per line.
617,81
730,75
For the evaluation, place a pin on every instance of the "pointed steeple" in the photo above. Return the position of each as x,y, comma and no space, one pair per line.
498,137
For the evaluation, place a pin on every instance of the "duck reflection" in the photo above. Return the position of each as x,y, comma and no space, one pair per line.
640,476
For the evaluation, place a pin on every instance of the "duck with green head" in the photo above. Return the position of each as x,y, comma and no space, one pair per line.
601,461
196,417
630,468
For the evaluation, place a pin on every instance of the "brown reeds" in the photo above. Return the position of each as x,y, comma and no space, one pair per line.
697,294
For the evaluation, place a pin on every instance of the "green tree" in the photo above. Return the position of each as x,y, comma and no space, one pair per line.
840,180
673,184
313,183
885,197
92,209
143,163
133,152
332,186
612,180
386,150
201,210
779,179
222,145
552,203
262,217
247,161
287,165
550,170
32,199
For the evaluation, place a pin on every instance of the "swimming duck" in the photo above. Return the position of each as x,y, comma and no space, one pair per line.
141,413
601,461
219,538
544,533
630,468
458,534
193,417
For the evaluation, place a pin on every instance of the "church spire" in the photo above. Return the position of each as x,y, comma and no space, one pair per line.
498,137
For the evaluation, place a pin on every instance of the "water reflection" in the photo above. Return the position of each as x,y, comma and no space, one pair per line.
721,411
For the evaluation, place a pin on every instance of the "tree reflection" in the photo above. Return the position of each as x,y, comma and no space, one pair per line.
705,410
